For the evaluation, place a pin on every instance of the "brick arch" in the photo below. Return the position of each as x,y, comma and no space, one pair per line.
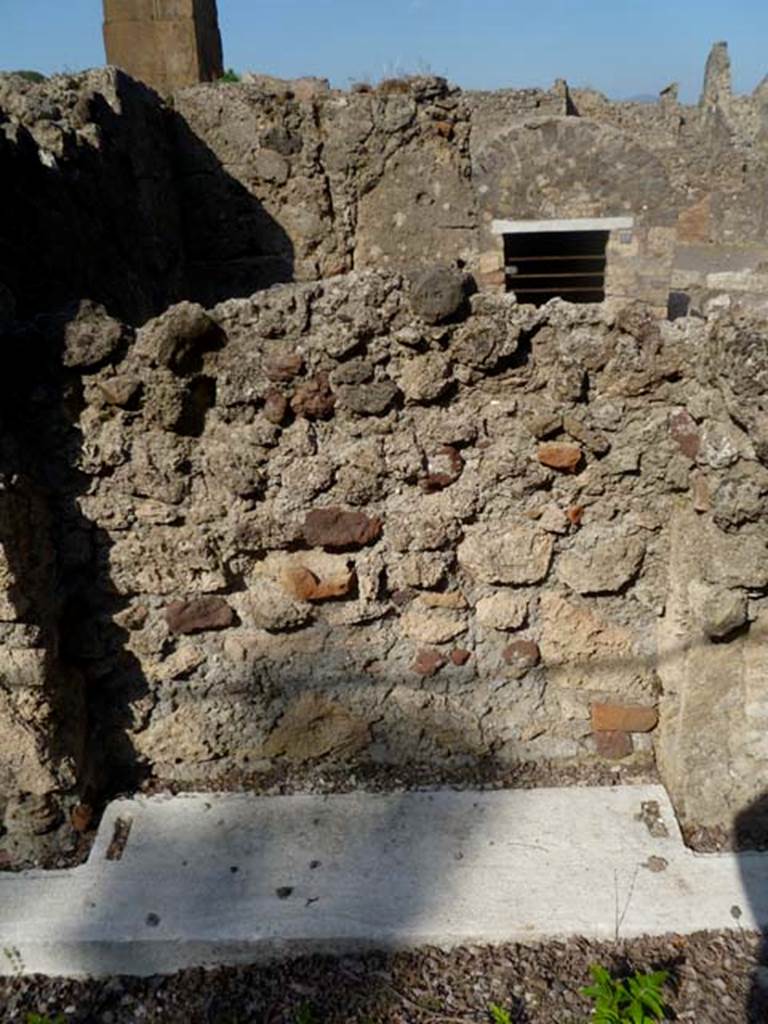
570,167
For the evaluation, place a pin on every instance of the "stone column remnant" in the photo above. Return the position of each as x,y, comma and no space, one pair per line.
716,92
167,44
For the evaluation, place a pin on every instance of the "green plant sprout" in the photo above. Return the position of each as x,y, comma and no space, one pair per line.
499,1015
637,999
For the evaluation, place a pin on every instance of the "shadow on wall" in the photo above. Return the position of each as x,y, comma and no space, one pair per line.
98,220
135,213
232,246
65,603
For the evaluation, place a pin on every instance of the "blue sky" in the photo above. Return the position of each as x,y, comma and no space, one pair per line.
622,47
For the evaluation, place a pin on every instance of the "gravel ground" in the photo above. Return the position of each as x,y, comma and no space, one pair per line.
483,773
717,978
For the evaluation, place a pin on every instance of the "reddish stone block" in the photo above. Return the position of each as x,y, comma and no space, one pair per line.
683,429
623,718
522,654
81,817
560,455
335,528
460,656
198,615
275,407
428,662
284,366
314,400
613,745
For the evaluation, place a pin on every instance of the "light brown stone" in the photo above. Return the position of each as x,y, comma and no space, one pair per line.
182,736
315,727
601,561
271,608
501,553
581,649
694,222
432,626
443,599
24,764
505,609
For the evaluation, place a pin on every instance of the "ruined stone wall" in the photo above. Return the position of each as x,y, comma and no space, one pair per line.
381,517
381,522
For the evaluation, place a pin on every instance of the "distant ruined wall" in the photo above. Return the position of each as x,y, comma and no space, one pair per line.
414,170
237,187
417,171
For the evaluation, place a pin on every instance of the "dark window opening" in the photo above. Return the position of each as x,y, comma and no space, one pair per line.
545,264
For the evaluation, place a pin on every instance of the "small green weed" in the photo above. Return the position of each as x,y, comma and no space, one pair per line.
38,1018
638,999
305,1015
230,76
499,1015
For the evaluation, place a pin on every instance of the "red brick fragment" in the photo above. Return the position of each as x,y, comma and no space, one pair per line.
613,745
